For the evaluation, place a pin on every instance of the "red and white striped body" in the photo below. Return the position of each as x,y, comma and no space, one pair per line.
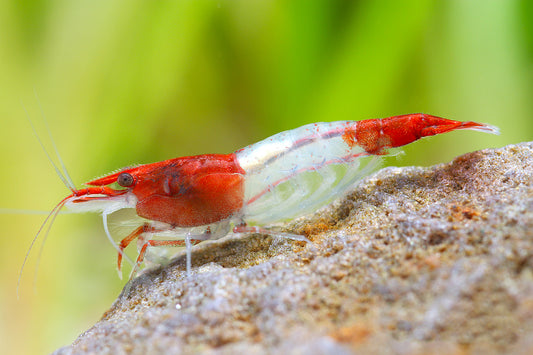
287,175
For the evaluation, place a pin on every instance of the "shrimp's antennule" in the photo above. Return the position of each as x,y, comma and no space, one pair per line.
63,175
66,175
50,218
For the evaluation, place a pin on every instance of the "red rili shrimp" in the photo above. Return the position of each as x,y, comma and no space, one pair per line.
197,198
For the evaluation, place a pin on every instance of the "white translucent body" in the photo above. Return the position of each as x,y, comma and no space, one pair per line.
287,175
296,172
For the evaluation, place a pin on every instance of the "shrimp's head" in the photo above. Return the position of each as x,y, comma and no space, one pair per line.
183,192
111,192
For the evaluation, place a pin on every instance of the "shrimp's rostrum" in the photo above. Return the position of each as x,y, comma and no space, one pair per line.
290,174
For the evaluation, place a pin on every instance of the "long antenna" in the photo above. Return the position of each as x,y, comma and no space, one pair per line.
70,184
67,183
55,211
51,216
18,211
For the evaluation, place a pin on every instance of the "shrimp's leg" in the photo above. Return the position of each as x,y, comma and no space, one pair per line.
130,238
214,231
159,243
137,233
243,228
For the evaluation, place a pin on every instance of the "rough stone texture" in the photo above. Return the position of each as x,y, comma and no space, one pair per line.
413,261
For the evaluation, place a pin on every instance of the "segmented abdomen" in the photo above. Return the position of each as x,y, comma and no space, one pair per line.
295,172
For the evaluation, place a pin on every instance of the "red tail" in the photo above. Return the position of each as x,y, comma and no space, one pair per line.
379,134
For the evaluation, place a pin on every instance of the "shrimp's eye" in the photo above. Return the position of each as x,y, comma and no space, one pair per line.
125,180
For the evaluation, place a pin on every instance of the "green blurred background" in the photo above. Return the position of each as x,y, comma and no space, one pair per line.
125,82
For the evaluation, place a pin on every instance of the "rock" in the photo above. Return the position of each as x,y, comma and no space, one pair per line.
414,261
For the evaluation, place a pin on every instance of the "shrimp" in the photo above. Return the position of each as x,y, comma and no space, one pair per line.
197,198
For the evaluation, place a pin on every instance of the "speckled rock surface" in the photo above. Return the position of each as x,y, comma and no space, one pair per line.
413,261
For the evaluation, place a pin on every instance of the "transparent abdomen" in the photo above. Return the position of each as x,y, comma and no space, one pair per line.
296,172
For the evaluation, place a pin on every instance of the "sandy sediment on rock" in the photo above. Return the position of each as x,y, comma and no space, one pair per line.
415,260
